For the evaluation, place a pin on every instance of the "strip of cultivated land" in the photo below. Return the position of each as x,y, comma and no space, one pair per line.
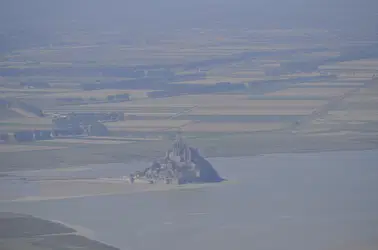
274,113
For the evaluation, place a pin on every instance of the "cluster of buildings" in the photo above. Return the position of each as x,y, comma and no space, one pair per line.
84,123
73,124
26,136
35,85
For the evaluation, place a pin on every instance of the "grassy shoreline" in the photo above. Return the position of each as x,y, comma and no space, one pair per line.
227,146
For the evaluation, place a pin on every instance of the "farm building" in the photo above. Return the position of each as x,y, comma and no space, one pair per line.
68,132
4,103
7,138
24,136
118,98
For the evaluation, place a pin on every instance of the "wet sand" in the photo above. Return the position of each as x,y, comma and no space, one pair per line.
19,231
278,201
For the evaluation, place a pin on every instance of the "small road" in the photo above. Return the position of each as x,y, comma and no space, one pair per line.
323,110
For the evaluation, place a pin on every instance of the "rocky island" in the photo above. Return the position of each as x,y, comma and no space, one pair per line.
182,164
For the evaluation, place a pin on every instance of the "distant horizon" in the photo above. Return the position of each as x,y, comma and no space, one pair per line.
348,15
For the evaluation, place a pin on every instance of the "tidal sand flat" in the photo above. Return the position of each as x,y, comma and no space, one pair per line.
276,201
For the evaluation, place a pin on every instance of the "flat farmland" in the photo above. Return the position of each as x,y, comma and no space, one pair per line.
356,75
17,124
180,47
364,96
232,127
250,111
134,94
86,141
23,148
169,51
260,112
249,74
327,92
198,104
212,113
34,91
125,139
146,126
29,121
23,92
364,64
333,84
149,114
353,116
230,78
352,71
221,101
164,111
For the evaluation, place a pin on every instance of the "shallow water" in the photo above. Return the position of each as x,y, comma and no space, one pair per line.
279,201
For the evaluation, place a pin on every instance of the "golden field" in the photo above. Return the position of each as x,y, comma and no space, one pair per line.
231,127
6,148
263,118
134,94
146,125
327,92
251,111
86,141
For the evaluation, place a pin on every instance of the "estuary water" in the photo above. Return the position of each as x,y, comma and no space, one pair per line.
301,201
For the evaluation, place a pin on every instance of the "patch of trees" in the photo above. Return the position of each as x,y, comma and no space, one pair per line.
24,136
298,67
76,119
190,77
268,84
79,100
40,85
68,132
161,73
30,108
118,98
246,56
148,82
349,54
4,103
80,71
356,53
159,94
13,103
27,136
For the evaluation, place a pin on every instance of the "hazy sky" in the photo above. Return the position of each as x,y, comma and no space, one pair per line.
342,14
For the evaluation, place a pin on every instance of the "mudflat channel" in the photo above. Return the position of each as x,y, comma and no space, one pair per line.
277,201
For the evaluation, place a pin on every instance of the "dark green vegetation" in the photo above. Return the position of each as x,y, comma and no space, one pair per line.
18,231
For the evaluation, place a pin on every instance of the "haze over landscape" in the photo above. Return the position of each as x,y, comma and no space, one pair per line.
280,96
